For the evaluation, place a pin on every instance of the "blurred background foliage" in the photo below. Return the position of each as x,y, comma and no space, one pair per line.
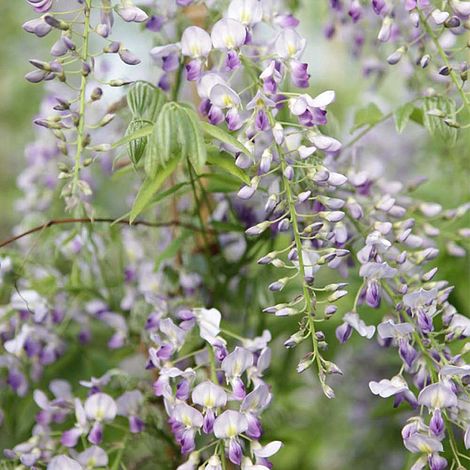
355,429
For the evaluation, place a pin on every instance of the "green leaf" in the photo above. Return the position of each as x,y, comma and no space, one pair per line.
179,188
221,182
367,116
138,134
196,148
227,226
435,124
219,134
417,116
160,143
150,187
145,101
136,147
172,249
225,162
402,116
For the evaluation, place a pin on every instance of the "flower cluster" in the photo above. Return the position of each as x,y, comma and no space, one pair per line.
99,409
342,245
423,33
218,401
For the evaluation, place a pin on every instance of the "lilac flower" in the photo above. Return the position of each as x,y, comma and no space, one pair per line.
228,426
209,323
262,453
210,396
234,365
128,404
247,12
311,111
70,437
129,12
422,443
352,320
373,272
41,6
99,408
62,462
196,44
389,329
289,44
437,396
252,405
228,34
166,57
189,420
38,27
397,387
93,457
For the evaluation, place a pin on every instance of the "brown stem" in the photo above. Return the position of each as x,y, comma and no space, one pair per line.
85,220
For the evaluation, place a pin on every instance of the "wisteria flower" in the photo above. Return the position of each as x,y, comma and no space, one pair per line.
228,426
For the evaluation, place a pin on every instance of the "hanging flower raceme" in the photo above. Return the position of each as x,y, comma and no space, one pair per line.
202,410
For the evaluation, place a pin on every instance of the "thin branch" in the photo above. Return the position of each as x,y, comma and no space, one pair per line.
85,220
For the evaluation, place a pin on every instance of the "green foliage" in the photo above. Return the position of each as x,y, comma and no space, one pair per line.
226,162
367,116
150,186
136,147
176,134
402,116
145,101
137,134
439,112
224,137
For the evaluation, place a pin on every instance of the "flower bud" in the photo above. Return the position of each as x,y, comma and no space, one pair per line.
55,23
305,363
278,285
294,340
396,56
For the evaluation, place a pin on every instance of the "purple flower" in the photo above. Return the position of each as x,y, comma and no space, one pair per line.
128,404
228,426
41,6
129,12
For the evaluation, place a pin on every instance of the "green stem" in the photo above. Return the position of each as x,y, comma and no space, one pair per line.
192,177
82,99
309,308
118,458
443,56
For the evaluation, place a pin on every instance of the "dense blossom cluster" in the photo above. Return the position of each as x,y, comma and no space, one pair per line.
424,34
334,223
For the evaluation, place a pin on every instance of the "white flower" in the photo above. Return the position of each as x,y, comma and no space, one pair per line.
353,319
195,42
62,462
289,44
229,424
100,407
209,323
248,12
228,34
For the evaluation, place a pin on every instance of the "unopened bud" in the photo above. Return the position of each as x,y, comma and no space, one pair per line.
294,340
96,94
305,363
337,295
452,22
258,228
396,56
55,23
328,391
278,285
444,70
116,83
